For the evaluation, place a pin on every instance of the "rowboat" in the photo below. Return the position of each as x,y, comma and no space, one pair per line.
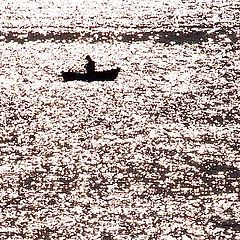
108,75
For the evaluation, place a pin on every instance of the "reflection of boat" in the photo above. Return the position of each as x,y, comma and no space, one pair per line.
108,75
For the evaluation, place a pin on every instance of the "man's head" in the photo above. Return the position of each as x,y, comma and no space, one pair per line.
88,58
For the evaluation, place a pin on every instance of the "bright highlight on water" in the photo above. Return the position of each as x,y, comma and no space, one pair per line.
151,153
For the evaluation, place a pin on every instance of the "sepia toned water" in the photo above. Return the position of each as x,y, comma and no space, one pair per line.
152,155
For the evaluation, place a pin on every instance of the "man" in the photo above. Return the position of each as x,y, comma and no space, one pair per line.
90,66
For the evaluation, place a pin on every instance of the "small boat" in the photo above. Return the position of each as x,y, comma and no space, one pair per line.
108,75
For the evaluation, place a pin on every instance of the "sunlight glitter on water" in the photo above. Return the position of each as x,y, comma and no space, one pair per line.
152,155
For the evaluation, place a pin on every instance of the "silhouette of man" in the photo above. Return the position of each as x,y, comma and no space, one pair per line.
90,66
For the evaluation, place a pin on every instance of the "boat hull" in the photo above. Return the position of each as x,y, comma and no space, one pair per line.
108,75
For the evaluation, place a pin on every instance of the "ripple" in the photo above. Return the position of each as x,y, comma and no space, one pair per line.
151,155
161,36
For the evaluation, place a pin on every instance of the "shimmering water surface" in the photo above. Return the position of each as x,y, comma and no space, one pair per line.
151,155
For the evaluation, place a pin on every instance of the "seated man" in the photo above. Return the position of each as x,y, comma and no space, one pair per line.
90,66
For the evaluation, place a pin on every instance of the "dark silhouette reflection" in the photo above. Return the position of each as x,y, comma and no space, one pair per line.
90,66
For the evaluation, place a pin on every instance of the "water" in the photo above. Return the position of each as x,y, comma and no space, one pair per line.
152,155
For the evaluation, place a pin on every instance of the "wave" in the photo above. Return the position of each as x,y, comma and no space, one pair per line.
163,36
